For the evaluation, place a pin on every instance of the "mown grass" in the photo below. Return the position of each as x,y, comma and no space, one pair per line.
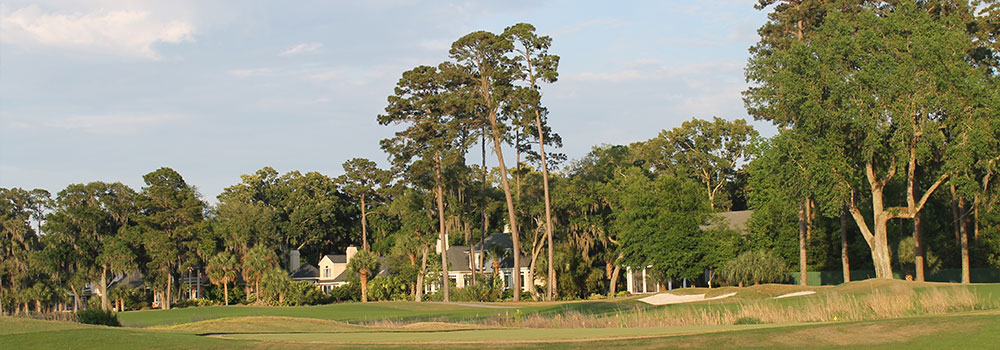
967,330
877,314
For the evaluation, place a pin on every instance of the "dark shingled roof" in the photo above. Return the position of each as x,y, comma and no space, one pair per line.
733,220
306,271
458,255
338,259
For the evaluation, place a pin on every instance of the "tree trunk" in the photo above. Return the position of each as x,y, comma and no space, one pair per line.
918,247
76,298
803,275
165,304
364,226
877,240
511,214
364,285
844,259
548,204
614,278
964,235
105,304
482,237
444,239
420,276
225,291
955,214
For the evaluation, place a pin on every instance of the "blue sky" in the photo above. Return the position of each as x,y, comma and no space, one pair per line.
111,90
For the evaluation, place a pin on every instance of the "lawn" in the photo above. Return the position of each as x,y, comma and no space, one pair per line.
530,325
979,330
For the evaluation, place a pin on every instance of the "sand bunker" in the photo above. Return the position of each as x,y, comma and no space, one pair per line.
796,294
667,298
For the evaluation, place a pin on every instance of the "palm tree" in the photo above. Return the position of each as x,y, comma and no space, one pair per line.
257,262
362,263
496,253
223,269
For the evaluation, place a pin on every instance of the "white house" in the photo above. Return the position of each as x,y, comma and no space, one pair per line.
461,267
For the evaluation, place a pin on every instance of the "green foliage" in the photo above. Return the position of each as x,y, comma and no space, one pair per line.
346,292
658,232
388,288
488,288
98,317
709,152
755,267
300,293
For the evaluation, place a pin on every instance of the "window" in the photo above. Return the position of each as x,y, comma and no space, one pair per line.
326,272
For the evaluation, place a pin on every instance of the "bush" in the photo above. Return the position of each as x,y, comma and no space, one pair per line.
487,289
193,303
98,317
388,288
347,292
303,293
755,267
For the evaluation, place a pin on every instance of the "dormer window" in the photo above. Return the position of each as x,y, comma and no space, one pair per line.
326,272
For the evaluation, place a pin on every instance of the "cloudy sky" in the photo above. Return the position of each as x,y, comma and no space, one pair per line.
110,90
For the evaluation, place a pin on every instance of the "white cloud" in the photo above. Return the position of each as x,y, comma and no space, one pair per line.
130,33
301,48
115,124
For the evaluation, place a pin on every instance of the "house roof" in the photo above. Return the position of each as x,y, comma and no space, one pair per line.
383,270
306,271
501,239
458,256
733,220
337,259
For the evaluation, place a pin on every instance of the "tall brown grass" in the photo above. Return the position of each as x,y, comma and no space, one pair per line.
831,307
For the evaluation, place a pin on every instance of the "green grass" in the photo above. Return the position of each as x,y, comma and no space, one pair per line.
344,325
967,330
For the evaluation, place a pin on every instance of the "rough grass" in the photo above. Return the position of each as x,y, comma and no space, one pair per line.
890,301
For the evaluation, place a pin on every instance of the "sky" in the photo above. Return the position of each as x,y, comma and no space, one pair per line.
103,90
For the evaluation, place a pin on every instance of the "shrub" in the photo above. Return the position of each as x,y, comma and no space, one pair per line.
388,288
488,288
98,317
193,303
755,267
303,293
347,292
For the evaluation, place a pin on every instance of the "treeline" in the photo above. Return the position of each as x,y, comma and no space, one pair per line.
886,159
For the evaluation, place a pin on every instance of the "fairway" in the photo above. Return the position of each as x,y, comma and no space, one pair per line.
491,336
978,330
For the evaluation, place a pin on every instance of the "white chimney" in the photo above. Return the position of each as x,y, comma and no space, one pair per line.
351,251
506,228
293,260
437,245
